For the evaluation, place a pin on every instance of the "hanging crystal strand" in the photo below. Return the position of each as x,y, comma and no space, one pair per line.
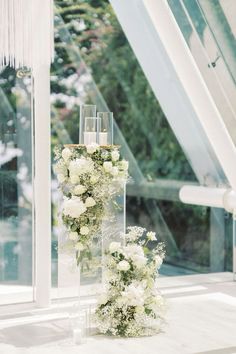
12,34
5,32
20,37
21,14
1,34
17,33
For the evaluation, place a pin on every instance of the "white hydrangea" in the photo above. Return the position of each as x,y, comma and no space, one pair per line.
139,261
84,230
73,207
133,250
79,189
81,166
115,155
136,254
92,148
107,165
90,202
123,266
114,247
66,154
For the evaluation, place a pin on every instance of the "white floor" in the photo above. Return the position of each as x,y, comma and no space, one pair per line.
201,318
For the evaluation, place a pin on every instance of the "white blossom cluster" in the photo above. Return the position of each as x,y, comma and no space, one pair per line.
89,177
131,304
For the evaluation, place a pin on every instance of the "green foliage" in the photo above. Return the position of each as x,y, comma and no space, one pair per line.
105,50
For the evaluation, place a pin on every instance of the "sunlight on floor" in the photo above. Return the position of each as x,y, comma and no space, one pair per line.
201,318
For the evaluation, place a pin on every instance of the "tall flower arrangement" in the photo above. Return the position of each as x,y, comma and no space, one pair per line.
89,177
131,304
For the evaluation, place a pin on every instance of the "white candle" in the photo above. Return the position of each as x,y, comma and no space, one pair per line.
77,335
90,137
102,138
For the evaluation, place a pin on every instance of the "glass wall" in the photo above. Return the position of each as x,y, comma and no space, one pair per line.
209,30
15,187
95,64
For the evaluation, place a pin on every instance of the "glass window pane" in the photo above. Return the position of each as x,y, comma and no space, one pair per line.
95,64
15,187
209,31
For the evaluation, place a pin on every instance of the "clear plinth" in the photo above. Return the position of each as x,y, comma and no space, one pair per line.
79,286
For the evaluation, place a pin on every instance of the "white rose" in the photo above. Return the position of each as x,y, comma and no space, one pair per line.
115,155
66,154
124,165
81,166
151,235
84,230
114,171
61,178
73,207
90,202
73,236
79,246
107,165
114,247
80,189
92,148
94,179
158,260
74,179
123,265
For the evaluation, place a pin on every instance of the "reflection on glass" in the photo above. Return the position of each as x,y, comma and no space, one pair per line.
15,189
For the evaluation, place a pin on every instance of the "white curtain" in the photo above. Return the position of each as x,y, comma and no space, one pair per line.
26,33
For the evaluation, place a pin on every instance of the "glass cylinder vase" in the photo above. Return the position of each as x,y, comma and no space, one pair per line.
105,128
85,111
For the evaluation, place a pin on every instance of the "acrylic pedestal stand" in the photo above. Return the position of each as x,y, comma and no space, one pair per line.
78,287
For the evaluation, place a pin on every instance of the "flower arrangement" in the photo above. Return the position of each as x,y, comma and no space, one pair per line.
131,305
89,177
